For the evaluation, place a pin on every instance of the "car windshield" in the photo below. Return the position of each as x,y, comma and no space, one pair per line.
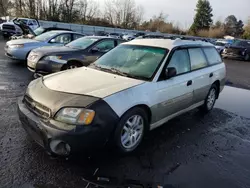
82,43
134,61
22,20
39,31
45,36
240,43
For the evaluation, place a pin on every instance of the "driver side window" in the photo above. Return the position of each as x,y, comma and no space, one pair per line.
62,39
105,46
180,61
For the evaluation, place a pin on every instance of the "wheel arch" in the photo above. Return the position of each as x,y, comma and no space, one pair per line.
217,83
146,109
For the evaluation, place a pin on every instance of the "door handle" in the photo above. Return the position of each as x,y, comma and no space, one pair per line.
211,75
189,83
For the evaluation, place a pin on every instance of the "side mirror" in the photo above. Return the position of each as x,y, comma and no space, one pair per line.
53,41
170,72
95,49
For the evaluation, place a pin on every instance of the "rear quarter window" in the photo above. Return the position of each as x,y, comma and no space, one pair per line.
197,58
212,55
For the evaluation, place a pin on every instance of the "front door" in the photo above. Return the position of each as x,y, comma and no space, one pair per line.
174,94
99,49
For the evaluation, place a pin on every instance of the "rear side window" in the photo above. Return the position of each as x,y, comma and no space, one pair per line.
197,58
212,56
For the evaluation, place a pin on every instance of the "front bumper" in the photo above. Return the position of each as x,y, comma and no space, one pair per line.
232,56
44,67
44,132
15,53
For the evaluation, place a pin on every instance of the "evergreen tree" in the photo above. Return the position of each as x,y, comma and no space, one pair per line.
203,18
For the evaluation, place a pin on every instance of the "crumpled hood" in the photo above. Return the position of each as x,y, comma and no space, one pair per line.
22,41
87,81
53,49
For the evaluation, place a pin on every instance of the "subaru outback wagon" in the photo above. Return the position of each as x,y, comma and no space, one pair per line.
134,88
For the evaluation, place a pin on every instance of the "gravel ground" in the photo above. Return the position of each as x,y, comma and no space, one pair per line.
190,151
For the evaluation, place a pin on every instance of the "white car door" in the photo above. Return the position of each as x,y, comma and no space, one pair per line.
201,74
174,94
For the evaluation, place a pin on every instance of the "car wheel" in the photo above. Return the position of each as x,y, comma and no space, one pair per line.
74,65
247,57
131,129
210,99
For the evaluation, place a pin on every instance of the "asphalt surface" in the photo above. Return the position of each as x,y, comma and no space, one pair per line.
192,150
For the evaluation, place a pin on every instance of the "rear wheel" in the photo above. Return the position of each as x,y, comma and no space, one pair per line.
247,57
210,99
130,130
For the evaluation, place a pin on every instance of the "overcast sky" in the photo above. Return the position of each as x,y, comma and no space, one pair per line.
182,11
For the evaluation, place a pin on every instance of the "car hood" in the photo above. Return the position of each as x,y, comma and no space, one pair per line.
53,49
22,41
88,81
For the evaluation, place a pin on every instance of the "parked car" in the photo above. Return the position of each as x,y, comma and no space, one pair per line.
134,88
100,33
114,35
220,45
239,50
20,48
31,34
128,37
12,28
80,52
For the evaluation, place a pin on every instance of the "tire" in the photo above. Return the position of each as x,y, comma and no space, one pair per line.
131,133
73,65
247,57
210,99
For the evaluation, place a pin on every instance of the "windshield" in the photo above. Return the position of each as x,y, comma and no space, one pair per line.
45,36
39,31
240,43
22,20
82,43
133,61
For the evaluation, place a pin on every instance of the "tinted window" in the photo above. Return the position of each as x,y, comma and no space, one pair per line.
76,36
34,22
212,56
45,36
105,46
198,60
180,61
119,42
63,38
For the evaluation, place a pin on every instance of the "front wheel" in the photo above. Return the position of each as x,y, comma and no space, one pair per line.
131,129
210,99
247,57
73,65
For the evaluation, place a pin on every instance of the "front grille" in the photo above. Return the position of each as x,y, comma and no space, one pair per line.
8,27
234,51
37,108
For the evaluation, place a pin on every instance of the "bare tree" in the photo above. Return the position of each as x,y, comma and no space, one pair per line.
88,9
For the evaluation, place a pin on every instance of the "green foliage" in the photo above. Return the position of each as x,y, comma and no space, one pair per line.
233,27
203,18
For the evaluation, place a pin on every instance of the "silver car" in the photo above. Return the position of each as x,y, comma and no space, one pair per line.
134,88
19,49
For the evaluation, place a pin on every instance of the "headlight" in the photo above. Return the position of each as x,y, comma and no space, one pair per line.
16,46
75,116
57,59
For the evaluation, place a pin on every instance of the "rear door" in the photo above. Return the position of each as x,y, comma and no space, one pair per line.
201,74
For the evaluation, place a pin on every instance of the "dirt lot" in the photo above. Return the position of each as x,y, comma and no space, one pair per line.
190,151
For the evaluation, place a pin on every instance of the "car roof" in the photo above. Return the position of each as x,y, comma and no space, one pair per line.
102,37
64,31
166,43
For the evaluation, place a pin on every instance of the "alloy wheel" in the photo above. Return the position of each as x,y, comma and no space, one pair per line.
211,98
132,131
